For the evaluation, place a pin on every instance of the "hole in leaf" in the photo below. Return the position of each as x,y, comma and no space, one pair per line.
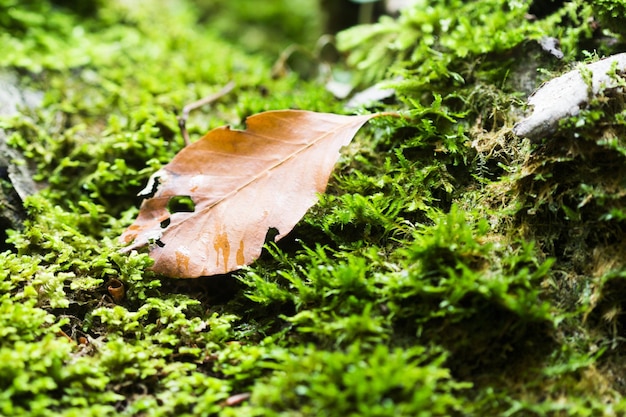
151,188
155,241
165,223
180,204
271,234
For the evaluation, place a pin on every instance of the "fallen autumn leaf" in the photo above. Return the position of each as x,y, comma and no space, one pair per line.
214,203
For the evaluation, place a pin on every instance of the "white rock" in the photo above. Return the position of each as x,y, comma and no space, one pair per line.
564,96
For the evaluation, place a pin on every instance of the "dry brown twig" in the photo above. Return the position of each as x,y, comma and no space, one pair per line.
182,119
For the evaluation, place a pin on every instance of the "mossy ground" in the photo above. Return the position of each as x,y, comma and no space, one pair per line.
450,269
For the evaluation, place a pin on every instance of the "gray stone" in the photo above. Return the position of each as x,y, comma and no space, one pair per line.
564,96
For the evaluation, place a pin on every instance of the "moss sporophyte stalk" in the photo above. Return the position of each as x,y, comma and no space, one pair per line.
450,268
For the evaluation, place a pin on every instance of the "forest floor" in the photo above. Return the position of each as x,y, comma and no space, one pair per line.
451,268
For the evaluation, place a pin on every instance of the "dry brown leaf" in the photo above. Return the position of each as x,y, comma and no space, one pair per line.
242,183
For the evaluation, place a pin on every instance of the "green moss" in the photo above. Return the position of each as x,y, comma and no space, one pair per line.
611,14
308,381
450,269
267,28
425,44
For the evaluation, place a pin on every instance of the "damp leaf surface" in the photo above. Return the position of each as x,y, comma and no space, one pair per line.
209,210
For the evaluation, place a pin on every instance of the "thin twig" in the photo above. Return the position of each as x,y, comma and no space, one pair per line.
236,399
65,335
182,119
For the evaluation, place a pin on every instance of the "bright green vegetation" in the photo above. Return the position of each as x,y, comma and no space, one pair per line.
451,269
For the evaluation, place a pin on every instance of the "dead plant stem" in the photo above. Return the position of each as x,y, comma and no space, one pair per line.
182,119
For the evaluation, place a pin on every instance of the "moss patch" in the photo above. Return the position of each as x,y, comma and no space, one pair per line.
450,269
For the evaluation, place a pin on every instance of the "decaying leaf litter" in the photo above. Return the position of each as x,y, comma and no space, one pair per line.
242,184
450,268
